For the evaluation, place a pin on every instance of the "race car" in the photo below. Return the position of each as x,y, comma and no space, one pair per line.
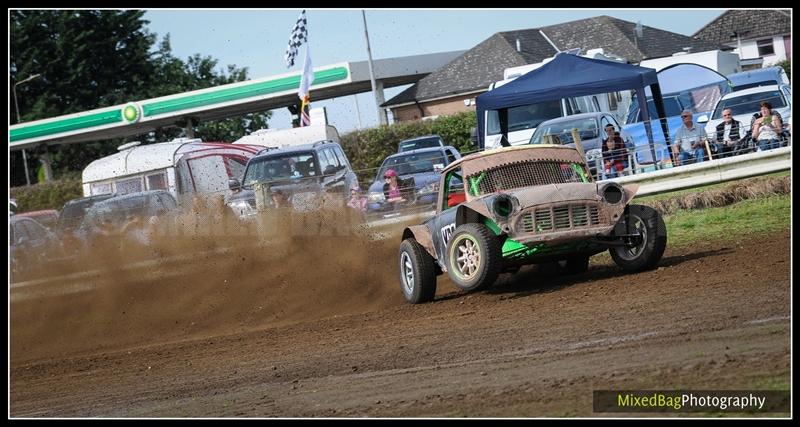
501,209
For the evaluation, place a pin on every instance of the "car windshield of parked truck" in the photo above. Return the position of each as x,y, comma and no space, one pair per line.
524,117
413,163
281,167
587,129
414,144
749,104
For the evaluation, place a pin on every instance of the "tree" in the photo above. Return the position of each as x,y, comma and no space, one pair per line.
787,66
98,58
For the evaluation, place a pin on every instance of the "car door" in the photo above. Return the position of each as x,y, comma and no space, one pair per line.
333,173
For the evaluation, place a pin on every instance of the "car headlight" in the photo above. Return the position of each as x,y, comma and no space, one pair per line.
612,193
241,207
593,155
503,205
430,188
376,197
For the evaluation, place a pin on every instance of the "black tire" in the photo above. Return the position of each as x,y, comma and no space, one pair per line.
417,272
649,252
577,264
485,246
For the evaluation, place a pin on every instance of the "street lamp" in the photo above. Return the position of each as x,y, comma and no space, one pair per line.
16,105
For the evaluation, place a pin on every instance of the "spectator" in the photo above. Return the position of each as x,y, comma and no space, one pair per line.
391,187
729,138
767,128
690,140
357,201
615,154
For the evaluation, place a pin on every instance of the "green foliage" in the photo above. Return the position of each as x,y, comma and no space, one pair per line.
49,195
787,66
367,148
98,58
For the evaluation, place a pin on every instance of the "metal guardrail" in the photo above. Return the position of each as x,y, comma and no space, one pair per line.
672,179
710,172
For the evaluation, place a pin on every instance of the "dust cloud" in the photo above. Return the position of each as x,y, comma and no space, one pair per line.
199,275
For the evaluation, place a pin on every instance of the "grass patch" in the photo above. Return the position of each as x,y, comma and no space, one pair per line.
756,217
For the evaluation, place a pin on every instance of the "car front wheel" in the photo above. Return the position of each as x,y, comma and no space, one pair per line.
474,257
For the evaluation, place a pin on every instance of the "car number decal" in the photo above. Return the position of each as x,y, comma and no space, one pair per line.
447,232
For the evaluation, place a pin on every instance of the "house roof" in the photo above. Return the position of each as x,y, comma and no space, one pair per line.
484,64
478,67
751,24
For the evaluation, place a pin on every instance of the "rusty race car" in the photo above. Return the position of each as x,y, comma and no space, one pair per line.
501,209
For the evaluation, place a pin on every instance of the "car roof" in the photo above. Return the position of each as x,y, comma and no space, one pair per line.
422,137
269,152
420,150
752,90
140,194
574,116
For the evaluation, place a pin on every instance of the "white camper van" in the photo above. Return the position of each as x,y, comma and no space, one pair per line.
182,166
275,138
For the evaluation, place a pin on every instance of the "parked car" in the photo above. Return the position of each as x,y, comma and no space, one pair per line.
71,216
296,175
46,217
525,205
744,104
590,128
418,178
760,77
106,219
634,126
32,246
427,141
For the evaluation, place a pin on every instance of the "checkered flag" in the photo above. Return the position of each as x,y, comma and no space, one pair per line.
299,35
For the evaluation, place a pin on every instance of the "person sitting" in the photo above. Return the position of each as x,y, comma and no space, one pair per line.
689,140
357,201
615,154
391,187
767,128
729,138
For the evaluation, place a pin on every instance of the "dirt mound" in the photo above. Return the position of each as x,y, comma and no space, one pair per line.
204,276
727,195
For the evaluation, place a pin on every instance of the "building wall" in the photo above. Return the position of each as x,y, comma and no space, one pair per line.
441,107
750,50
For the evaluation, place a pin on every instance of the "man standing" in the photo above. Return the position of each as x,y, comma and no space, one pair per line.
689,140
728,135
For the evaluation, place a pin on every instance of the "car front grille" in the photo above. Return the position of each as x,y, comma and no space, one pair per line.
521,175
558,218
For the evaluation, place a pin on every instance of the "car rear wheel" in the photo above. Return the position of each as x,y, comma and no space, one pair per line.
474,257
645,251
417,272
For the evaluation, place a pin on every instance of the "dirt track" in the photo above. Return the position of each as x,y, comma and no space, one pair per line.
340,341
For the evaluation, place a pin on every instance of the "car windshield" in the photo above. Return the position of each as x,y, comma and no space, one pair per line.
587,129
431,142
524,117
431,161
749,104
281,167
73,213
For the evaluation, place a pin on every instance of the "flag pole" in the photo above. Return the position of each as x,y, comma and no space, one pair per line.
381,115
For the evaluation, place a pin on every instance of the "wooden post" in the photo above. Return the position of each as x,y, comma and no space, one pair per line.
577,138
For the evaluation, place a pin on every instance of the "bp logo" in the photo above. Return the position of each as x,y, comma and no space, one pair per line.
131,112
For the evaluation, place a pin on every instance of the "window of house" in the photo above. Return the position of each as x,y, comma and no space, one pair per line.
765,47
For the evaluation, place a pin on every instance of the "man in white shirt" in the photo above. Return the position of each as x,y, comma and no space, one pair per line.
729,135
689,141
